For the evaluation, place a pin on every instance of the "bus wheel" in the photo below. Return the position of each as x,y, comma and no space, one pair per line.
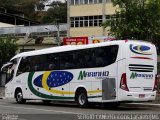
81,98
19,97
46,102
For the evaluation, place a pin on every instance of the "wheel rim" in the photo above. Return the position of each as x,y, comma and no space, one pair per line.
19,97
82,99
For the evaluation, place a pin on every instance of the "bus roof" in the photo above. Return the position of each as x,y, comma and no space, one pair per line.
69,48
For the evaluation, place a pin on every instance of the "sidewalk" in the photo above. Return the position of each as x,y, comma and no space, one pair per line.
157,101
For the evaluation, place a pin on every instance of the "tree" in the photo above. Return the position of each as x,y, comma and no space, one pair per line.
8,47
26,6
57,11
135,19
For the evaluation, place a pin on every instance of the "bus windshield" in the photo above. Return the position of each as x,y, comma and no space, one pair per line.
8,71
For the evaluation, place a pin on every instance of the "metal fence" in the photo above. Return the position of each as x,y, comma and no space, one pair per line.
45,30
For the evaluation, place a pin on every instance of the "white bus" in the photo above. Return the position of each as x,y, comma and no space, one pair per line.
108,72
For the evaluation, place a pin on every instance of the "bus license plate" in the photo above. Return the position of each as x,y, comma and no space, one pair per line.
141,95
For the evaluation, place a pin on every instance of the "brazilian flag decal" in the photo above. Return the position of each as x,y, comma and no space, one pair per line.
47,82
39,94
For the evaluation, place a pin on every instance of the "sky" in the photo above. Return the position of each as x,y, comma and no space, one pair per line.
50,1
56,0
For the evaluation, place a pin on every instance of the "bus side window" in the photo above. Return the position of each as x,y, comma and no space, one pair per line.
100,55
111,54
52,61
23,66
67,60
80,59
89,58
51,66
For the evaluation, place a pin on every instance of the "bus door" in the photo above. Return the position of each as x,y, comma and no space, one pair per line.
7,73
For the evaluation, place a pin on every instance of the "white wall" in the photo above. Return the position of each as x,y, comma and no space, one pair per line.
5,25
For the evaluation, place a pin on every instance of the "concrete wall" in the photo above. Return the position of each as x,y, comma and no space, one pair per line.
46,43
5,25
85,10
90,10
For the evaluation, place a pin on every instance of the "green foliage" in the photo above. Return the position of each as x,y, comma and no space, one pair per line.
26,6
57,11
135,19
8,48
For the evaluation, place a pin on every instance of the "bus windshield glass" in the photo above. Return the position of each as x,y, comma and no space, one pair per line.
8,71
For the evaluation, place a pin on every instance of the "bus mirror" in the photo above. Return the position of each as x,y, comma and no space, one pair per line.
4,70
14,62
5,67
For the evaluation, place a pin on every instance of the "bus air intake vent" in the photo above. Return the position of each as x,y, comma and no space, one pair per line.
141,68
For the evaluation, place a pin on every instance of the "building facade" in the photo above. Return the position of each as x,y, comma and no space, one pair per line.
86,16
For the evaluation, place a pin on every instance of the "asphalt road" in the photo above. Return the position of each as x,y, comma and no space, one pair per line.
36,110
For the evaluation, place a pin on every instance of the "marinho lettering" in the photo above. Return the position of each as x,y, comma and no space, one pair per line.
137,75
84,74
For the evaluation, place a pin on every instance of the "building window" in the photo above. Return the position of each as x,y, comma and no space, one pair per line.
72,22
95,1
76,2
85,1
91,21
100,1
80,2
86,21
72,2
90,1
107,1
81,22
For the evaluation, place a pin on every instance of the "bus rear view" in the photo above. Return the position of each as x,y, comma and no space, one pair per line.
138,80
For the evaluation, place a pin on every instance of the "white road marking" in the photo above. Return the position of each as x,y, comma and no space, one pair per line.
144,104
39,109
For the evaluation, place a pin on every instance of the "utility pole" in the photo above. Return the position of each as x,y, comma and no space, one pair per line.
58,33
68,18
103,15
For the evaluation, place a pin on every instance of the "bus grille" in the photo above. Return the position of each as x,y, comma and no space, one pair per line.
141,68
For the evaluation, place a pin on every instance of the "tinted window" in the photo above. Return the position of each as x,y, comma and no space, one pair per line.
67,60
23,66
86,58
96,57
39,63
52,62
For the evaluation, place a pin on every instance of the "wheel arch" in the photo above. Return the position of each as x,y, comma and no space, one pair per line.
78,89
17,89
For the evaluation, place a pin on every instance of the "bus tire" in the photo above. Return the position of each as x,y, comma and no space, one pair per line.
82,99
19,97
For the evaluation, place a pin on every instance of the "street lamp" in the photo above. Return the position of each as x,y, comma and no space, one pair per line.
57,25
26,40
48,31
